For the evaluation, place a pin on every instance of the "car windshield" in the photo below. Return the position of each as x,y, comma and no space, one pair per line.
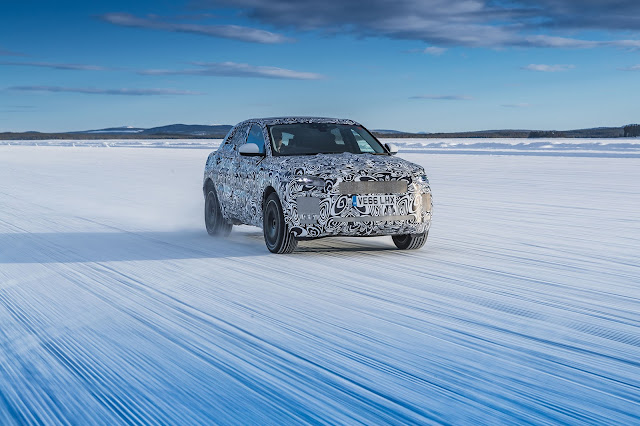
322,138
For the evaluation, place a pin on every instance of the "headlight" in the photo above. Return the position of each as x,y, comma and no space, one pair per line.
422,179
310,181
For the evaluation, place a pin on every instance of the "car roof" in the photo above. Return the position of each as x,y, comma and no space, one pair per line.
270,121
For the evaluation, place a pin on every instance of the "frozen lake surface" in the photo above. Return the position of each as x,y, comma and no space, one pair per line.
117,307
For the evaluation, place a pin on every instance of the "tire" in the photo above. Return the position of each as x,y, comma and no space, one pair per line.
213,220
410,241
277,237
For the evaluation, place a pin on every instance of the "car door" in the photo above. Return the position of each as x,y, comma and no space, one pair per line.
228,171
248,182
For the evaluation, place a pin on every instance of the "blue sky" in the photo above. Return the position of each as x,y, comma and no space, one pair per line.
413,65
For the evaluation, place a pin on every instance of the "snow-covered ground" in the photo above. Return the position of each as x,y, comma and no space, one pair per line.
117,307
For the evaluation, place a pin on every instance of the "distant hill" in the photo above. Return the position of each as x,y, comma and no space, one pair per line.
117,130
218,131
596,132
171,129
475,134
190,129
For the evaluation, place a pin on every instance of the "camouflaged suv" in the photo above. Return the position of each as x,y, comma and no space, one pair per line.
304,178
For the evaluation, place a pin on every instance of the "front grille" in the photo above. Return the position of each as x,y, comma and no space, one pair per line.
373,187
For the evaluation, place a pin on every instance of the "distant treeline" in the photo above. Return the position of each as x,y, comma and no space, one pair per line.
483,134
631,130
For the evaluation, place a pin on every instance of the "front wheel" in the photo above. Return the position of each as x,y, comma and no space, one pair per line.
276,233
410,241
213,220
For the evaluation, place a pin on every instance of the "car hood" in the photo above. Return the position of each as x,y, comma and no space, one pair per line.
340,166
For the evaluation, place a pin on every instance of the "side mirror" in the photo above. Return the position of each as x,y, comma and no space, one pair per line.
250,150
393,149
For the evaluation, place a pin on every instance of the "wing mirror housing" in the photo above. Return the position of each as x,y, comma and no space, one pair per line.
393,149
250,150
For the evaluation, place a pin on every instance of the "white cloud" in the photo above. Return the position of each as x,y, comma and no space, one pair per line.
5,52
433,50
520,105
234,32
81,67
559,42
446,23
573,43
233,69
94,91
548,68
443,97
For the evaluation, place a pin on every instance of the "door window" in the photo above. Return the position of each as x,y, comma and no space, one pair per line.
256,136
240,136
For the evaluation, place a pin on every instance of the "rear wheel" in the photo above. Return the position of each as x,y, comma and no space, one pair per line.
213,220
276,233
410,241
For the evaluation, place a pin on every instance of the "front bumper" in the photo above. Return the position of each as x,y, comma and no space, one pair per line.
317,214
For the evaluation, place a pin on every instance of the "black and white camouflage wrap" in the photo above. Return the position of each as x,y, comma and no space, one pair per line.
242,181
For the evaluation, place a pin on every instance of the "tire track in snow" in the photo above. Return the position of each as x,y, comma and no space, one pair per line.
61,252
202,320
486,325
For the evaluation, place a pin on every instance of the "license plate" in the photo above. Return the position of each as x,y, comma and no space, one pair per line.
373,200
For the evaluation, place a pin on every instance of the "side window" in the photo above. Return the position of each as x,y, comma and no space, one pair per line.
227,143
362,144
240,136
256,136
227,138
336,133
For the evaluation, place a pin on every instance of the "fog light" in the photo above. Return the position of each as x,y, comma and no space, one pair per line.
426,202
310,181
